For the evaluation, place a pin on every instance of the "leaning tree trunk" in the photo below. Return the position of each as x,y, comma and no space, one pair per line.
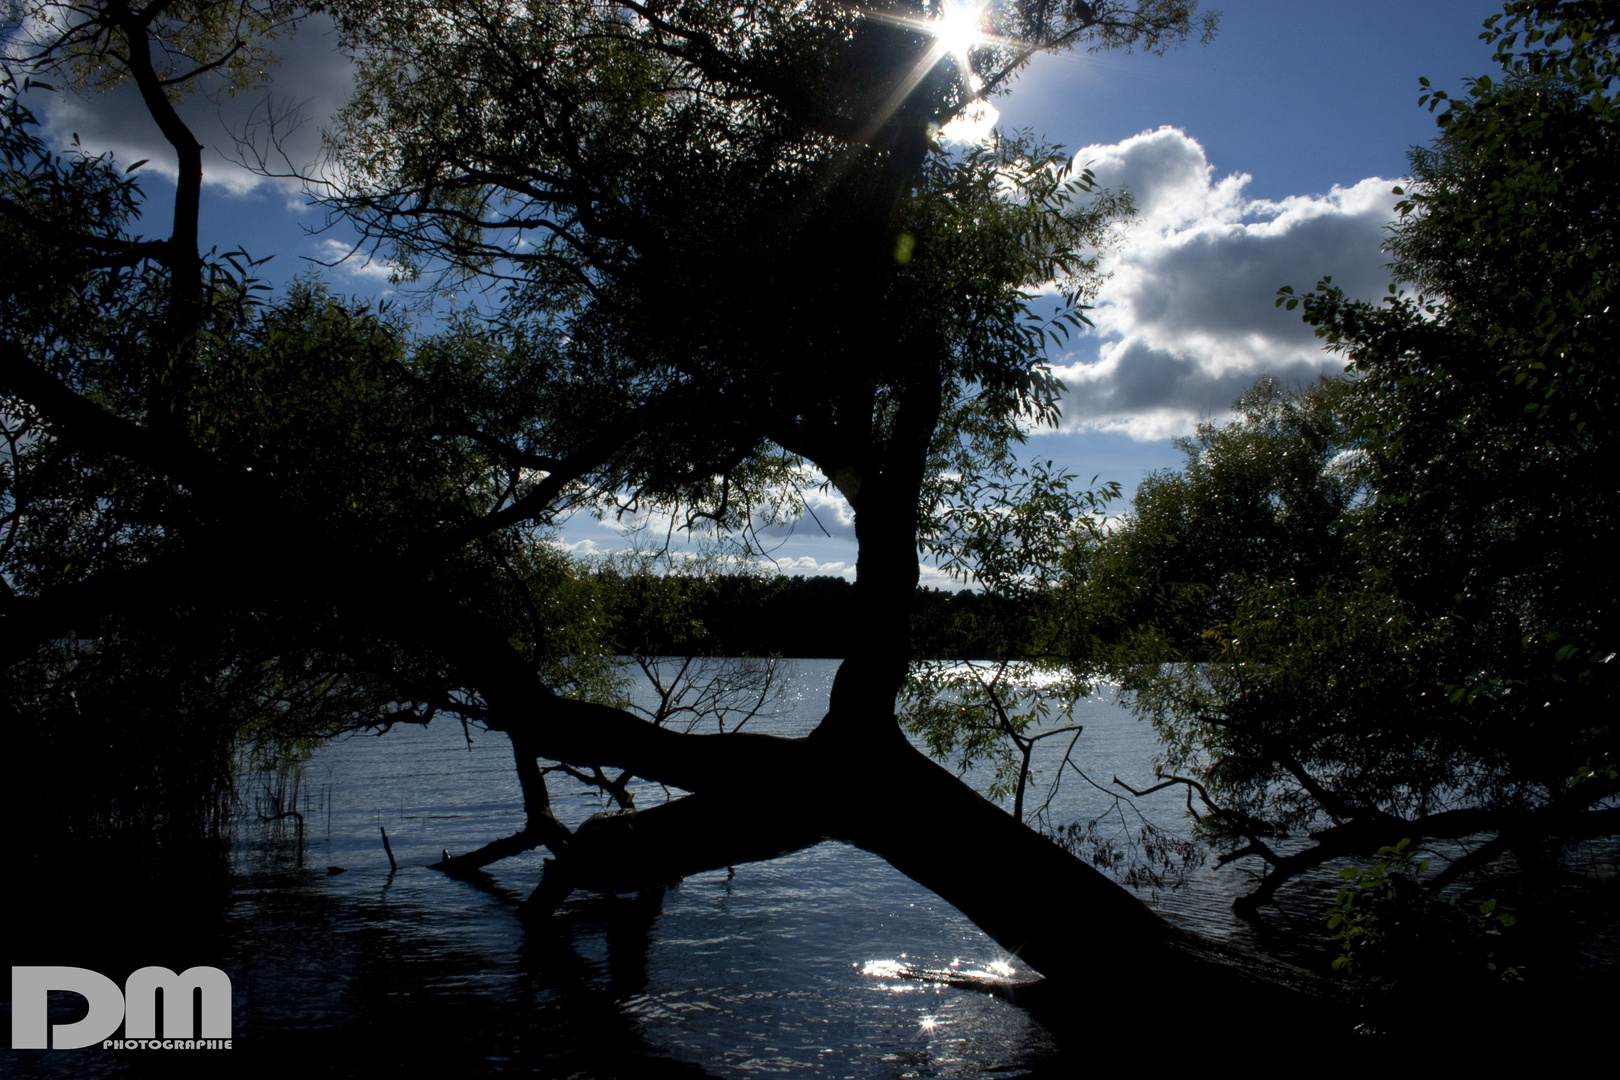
757,797
858,780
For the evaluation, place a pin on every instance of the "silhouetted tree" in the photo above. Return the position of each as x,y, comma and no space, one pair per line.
743,255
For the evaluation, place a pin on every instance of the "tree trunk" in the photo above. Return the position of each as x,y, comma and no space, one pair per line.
1097,945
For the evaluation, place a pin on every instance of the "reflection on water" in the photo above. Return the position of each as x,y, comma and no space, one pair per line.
761,972
995,975
826,960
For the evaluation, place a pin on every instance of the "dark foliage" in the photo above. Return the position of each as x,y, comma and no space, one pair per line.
1383,609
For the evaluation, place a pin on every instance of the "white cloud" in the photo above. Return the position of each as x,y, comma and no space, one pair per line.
1188,320
351,260
581,548
809,566
827,512
973,125
932,577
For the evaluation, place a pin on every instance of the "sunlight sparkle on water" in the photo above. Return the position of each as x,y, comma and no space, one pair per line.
893,969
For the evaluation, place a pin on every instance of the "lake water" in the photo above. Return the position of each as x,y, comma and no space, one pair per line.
791,967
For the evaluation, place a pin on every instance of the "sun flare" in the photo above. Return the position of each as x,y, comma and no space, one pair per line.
956,30
960,27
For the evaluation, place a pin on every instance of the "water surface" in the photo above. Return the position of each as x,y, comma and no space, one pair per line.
805,965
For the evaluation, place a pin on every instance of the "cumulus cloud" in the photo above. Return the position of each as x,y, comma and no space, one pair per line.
932,577
1188,319
974,124
581,548
827,513
310,84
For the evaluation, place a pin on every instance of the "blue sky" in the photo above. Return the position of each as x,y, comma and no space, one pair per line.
1263,159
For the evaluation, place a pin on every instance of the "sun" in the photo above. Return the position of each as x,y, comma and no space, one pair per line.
959,28
956,29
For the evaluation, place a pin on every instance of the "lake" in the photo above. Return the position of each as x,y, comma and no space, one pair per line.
795,966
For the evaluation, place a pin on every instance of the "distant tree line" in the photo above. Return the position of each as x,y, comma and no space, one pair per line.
805,617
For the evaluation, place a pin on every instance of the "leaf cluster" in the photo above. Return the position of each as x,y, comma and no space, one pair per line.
187,44
1385,605
732,204
1395,932
310,444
